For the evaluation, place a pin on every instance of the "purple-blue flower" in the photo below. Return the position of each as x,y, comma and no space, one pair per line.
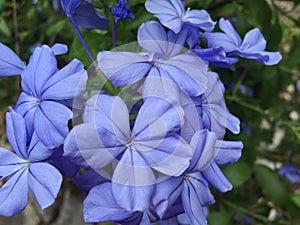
162,60
172,14
25,169
10,63
83,14
121,11
152,144
252,46
44,88
289,172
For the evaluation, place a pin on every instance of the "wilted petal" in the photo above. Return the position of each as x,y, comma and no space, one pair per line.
132,181
168,12
10,63
69,6
16,133
10,163
123,68
14,194
44,180
268,58
66,83
215,177
89,18
52,117
41,67
228,151
100,206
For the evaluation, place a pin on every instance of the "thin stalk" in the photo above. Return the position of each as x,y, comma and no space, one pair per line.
16,29
115,34
78,33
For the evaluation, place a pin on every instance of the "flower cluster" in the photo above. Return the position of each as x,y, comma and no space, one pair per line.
151,150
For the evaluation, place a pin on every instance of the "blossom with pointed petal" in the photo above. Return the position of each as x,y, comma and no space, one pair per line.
121,10
44,87
252,47
25,169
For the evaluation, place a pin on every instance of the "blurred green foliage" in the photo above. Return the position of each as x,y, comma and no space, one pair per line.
259,195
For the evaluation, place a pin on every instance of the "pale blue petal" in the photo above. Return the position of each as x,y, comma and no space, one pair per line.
132,181
66,83
217,39
203,144
157,118
37,151
229,151
169,12
69,6
253,41
51,123
59,49
100,206
216,178
200,19
153,38
41,67
176,42
170,155
123,68
14,194
10,63
16,133
268,58
168,191
87,148
227,28
10,163
44,181
108,113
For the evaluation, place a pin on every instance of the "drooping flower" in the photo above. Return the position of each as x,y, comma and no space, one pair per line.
162,60
25,169
153,144
252,47
289,172
121,11
83,14
10,63
44,87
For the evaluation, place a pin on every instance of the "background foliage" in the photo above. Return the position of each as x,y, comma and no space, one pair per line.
264,98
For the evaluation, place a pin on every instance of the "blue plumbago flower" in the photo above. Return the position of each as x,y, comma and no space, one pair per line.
91,178
121,10
252,47
172,14
289,172
192,187
83,14
25,169
44,87
213,110
153,144
10,63
162,60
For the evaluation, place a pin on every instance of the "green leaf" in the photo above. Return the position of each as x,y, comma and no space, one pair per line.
4,28
296,199
272,185
238,173
217,218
